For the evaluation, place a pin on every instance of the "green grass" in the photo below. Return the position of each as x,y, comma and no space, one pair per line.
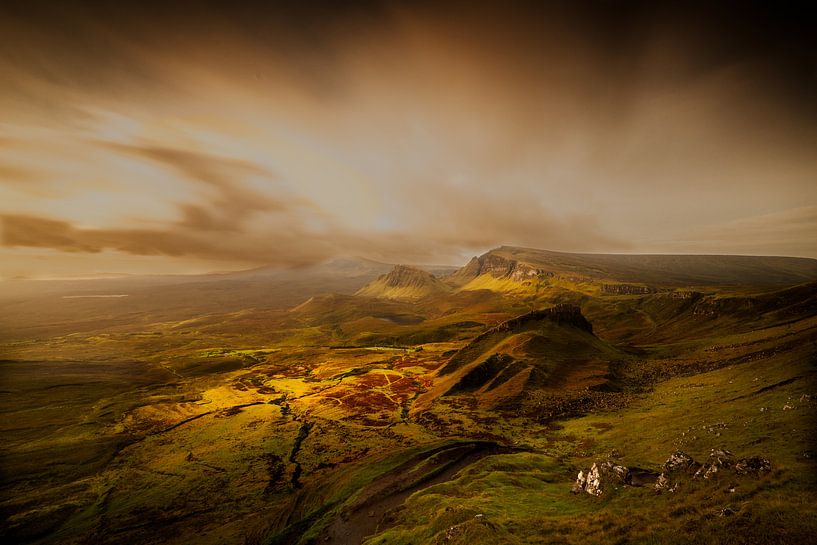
524,498
75,470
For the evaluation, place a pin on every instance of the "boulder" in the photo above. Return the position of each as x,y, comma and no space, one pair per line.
680,461
663,484
706,471
599,477
721,457
581,482
754,465
718,459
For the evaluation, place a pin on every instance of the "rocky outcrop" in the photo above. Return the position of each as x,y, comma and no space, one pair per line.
754,465
626,289
680,461
498,267
603,475
581,483
719,461
600,476
663,484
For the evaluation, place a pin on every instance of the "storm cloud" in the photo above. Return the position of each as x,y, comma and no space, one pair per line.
289,133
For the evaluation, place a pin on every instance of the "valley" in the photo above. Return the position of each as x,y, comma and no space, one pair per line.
358,402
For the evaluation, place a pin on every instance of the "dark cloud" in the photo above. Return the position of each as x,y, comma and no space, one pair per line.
232,202
293,244
284,248
213,229
37,232
288,132
13,174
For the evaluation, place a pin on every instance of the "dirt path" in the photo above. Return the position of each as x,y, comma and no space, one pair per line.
369,514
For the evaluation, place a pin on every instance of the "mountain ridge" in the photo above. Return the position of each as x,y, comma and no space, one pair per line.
521,265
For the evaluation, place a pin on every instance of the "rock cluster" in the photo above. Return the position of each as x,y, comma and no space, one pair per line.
663,483
603,475
754,465
678,461
719,460
626,289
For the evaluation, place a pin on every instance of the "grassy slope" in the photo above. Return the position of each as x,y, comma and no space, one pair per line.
524,498
554,351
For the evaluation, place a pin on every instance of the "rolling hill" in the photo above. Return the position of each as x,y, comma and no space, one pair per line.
552,348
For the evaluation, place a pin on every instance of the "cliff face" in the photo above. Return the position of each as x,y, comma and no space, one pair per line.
658,271
497,266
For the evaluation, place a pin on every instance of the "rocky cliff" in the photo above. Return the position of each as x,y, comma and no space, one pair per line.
497,266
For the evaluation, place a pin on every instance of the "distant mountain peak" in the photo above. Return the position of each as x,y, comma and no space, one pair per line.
405,275
404,282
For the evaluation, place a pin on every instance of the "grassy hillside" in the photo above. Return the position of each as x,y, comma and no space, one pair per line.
760,406
461,415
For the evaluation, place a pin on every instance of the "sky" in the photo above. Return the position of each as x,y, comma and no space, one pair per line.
208,136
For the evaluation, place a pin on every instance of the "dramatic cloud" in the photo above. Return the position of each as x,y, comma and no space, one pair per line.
287,248
213,136
233,203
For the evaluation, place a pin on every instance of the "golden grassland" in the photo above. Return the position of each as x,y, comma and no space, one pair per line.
253,427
